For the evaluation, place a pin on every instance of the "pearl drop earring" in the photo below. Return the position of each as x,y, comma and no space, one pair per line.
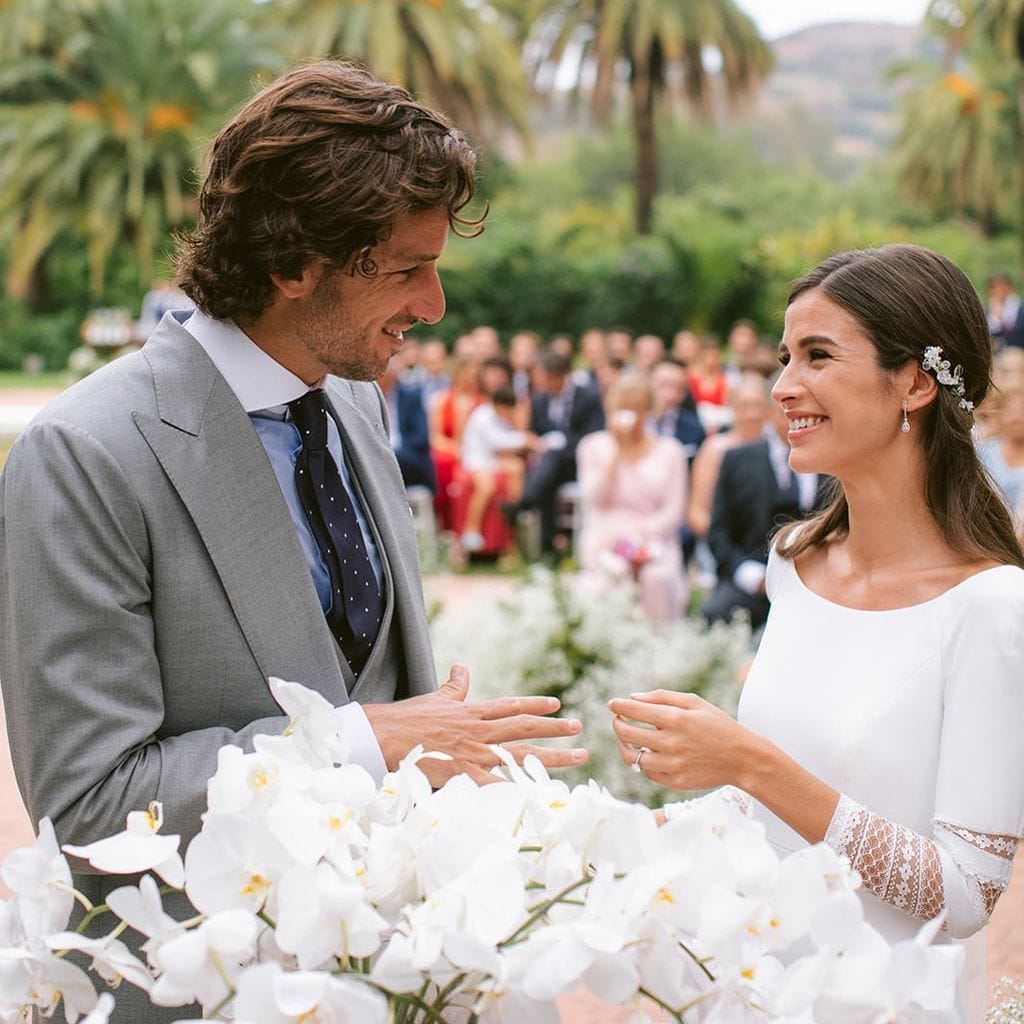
905,425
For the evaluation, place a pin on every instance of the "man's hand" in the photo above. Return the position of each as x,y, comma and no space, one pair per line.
445,721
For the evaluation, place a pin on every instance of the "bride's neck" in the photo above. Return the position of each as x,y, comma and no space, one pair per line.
890,523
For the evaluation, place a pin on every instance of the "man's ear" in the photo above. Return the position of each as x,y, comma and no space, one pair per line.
300,287
922,389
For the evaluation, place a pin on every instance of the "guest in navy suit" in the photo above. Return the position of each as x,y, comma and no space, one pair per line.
756,492
407,423
674,413
562,412
1005,313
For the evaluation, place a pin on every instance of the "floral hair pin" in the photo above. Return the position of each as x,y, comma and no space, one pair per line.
953,379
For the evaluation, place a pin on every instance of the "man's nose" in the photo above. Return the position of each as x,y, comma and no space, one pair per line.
429,303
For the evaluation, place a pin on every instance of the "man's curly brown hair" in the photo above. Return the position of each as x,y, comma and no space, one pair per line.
317,166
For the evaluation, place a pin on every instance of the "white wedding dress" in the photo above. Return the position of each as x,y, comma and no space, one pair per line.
915,715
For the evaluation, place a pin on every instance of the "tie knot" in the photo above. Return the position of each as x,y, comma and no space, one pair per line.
309,413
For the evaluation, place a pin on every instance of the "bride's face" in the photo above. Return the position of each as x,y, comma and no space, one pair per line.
842,408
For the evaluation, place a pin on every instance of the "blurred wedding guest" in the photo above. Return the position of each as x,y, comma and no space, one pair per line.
161,298
562,412
740,345
673,413
633,490
686,347
523,351
593,354
434,362
647,350
1008,367
1003,453
492,444
706,379
608,373
619,343
410,369
755,492
495,373
709,385
447,417
466,347
752,413
407,426
562,344
486,340
1005,314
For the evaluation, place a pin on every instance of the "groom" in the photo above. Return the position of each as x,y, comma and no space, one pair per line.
170,533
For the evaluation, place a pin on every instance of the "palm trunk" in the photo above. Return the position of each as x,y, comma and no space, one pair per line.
646,153
1020,126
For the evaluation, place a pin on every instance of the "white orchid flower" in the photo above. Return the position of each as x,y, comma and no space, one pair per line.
140,907
244,781
139,848
324,915
111,958
268,995
200,965
42,980
404,788
41,879
234,863
100,1013
315,726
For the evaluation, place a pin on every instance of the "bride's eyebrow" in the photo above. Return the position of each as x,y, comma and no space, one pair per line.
808,340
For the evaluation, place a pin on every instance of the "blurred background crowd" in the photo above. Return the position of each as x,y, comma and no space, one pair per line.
660,462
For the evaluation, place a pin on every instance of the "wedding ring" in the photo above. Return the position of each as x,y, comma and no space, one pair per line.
636,766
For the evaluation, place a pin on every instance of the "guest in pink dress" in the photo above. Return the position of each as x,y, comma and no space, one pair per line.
633,490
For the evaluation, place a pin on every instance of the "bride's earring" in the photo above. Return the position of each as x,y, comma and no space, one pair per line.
905,425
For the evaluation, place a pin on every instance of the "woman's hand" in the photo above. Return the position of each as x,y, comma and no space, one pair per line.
691,743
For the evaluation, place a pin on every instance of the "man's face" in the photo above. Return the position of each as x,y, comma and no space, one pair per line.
553,383
350,325
668,387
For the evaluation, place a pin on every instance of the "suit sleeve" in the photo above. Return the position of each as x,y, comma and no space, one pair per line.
721,533
78,652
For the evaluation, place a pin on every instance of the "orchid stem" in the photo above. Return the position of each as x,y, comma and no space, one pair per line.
542,909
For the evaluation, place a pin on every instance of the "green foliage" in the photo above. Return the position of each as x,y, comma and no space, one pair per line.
102,104
51,336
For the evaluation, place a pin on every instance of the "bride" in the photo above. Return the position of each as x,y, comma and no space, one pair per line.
883,710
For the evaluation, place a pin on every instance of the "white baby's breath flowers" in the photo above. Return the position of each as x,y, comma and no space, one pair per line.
555,634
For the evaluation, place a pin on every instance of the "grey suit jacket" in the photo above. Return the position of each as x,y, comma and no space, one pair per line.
151,580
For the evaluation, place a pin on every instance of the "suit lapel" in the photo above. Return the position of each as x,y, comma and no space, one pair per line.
209,450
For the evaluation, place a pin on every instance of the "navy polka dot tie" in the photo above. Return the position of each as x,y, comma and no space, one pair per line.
355,613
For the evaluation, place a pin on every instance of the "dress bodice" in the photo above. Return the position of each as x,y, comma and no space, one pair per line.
912,713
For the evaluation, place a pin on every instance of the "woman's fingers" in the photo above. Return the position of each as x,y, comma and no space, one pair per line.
637,735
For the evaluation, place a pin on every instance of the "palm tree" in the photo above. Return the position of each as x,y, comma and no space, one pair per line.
996,25
955,147
663,47
458,55
101,111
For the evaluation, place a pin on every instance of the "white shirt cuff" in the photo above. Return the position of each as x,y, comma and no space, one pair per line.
363,748
749,576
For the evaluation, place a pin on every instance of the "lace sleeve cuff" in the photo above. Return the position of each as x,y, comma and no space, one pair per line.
960,870
898,865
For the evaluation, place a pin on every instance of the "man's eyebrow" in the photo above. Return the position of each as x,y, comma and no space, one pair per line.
414,258
810,339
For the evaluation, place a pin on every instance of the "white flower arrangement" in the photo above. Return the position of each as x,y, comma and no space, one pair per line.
323,899
555,635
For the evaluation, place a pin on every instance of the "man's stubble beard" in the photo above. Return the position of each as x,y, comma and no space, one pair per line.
333,340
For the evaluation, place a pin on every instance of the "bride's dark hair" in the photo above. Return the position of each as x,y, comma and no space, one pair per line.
906,298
